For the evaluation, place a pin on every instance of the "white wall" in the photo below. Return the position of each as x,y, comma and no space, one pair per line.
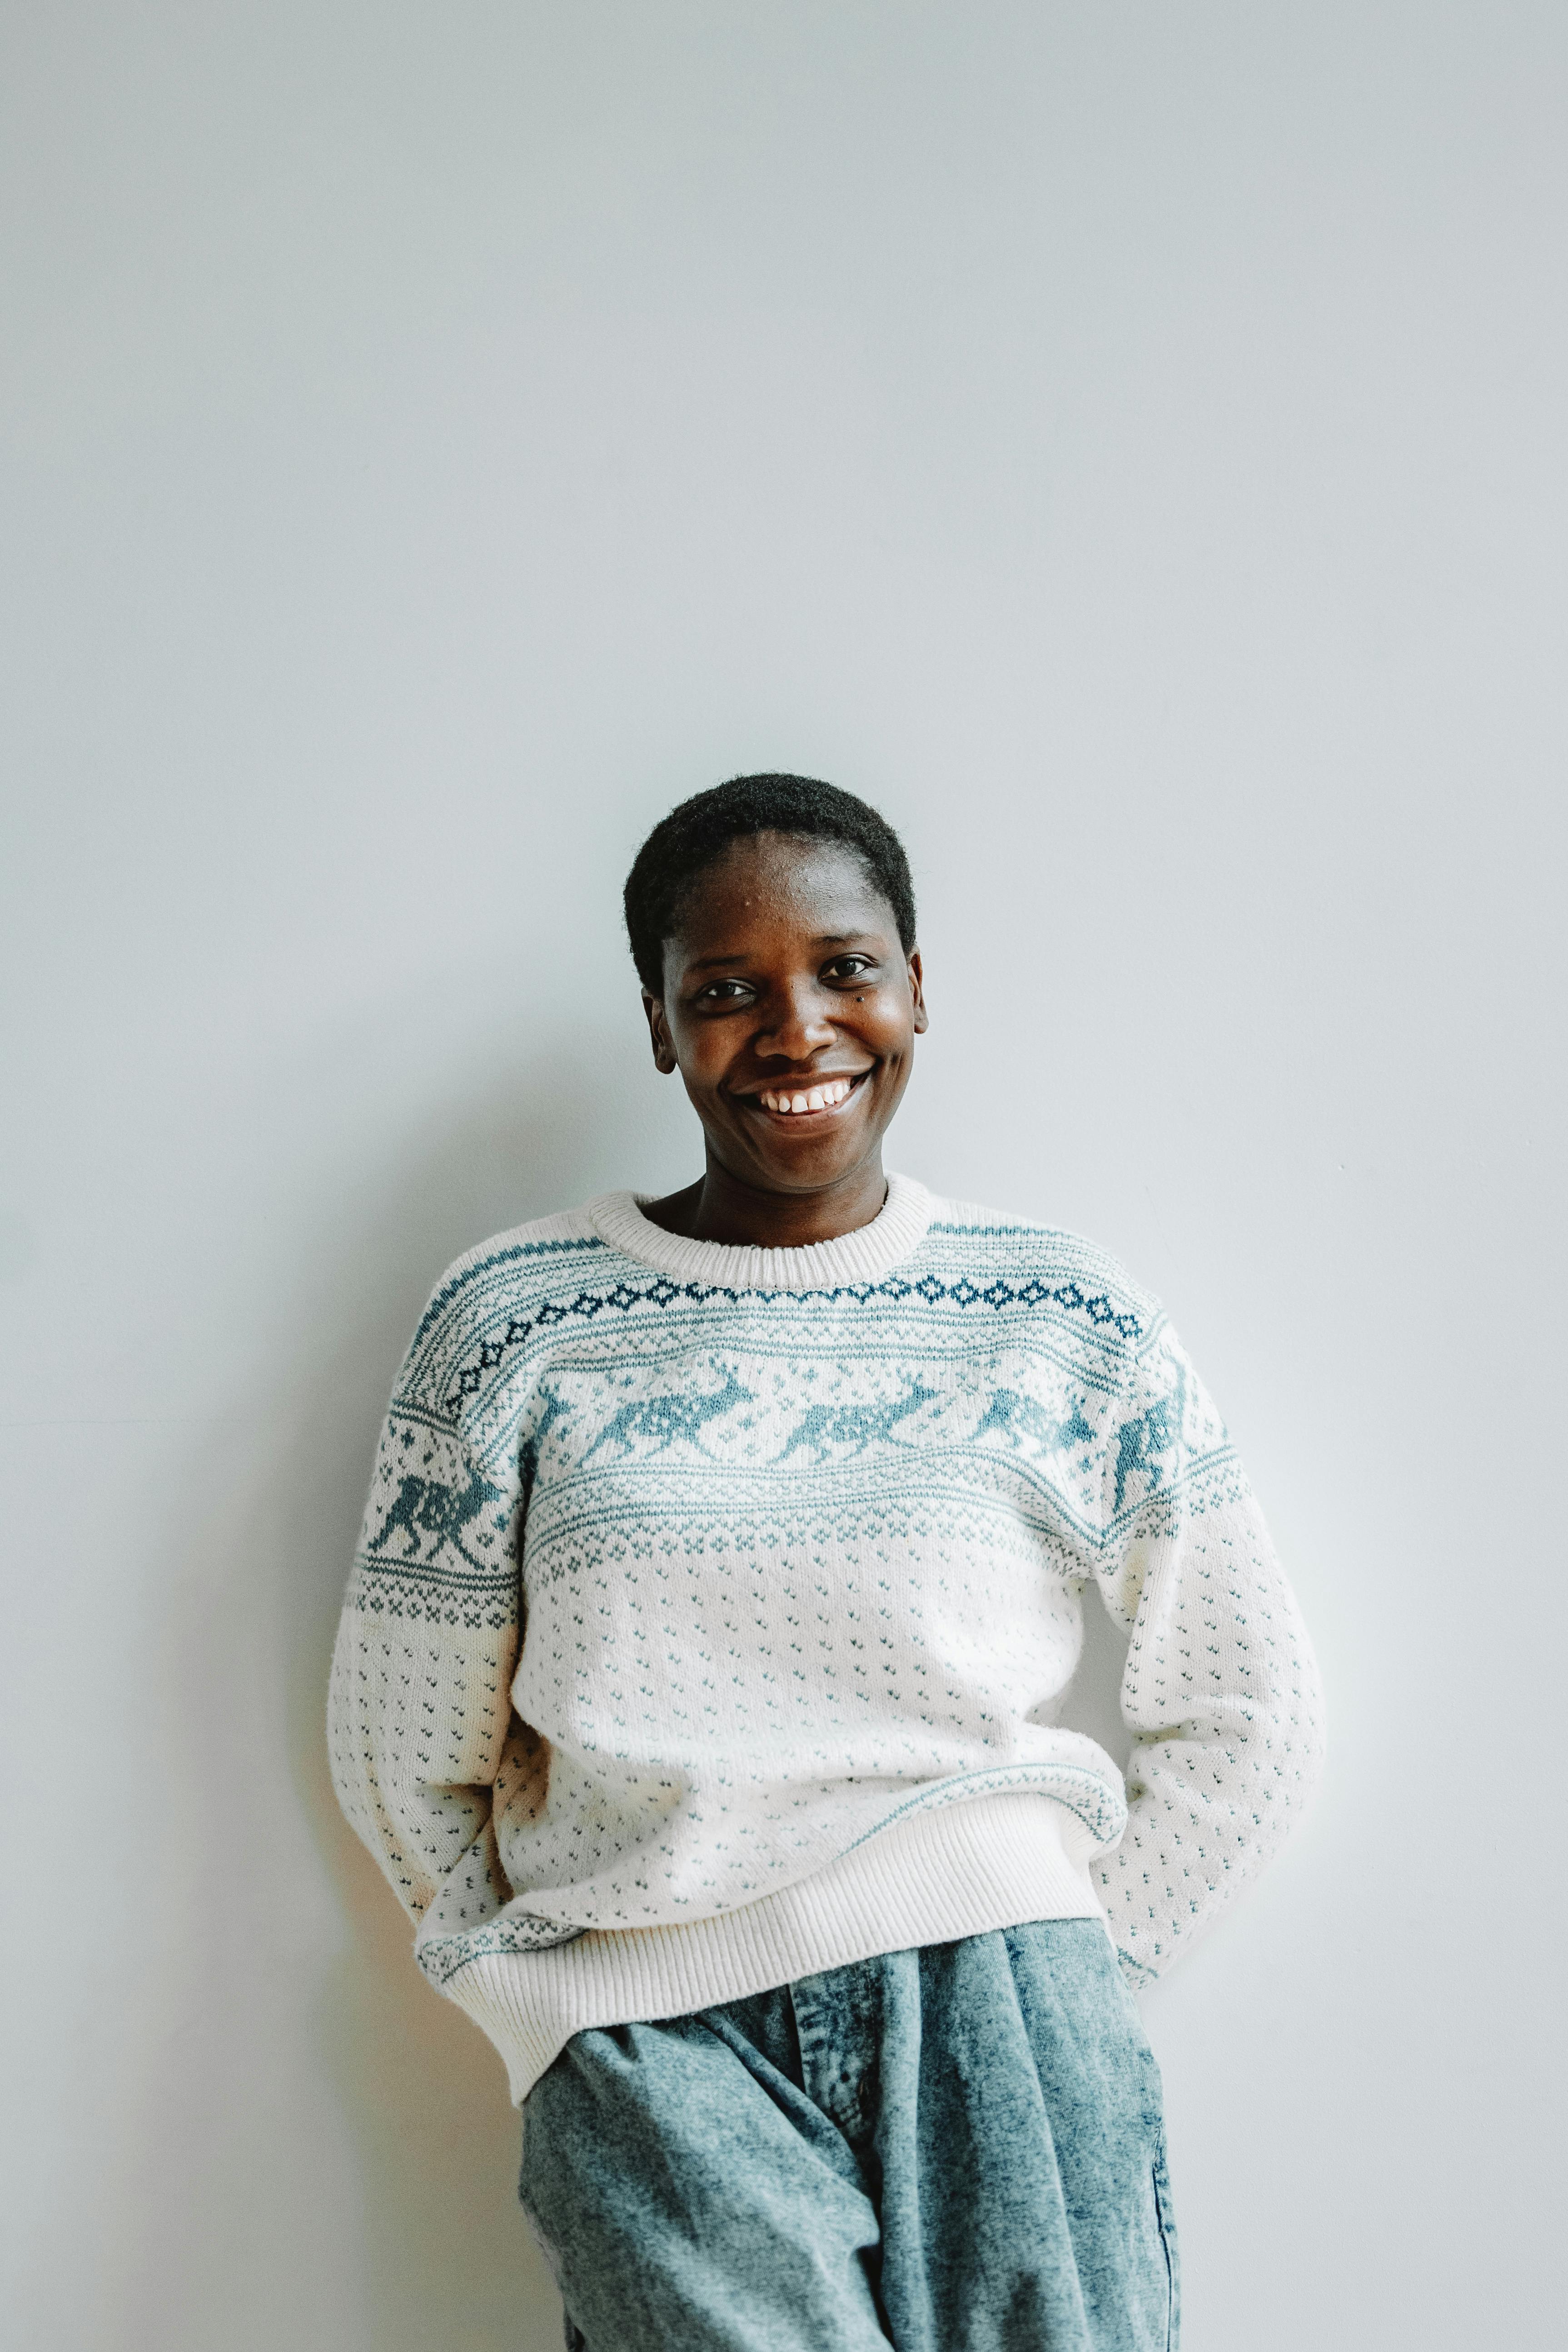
1126,442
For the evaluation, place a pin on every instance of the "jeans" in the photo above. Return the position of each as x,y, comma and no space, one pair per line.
953,2149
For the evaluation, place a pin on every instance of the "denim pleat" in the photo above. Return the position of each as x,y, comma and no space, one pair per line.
958,2148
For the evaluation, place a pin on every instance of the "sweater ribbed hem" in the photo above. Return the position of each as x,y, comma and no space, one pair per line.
865,1255
992,1861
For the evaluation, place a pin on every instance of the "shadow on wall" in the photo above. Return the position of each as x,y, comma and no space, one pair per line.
271,2045
324,2151
450,2257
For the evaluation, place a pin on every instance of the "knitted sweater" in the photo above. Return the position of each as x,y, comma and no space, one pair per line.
713,1606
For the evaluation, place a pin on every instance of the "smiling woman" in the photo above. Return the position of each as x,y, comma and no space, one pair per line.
781,978
696,1682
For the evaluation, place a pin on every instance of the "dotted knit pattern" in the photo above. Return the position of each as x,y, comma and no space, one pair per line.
686,1571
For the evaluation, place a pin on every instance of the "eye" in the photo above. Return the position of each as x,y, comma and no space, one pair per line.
722,991
850,967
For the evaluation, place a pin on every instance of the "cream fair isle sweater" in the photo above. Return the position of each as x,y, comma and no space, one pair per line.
713,1606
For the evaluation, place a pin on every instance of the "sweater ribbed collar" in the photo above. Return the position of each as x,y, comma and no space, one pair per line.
865,1255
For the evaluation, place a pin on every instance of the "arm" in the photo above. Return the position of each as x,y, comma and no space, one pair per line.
1221,1688
419,1703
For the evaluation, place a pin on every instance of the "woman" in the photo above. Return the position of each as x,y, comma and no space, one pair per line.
697,1679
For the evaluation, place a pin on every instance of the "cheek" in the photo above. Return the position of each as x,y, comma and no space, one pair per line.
886,1028
702,1066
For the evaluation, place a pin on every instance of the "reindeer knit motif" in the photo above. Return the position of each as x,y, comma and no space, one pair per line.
713,1606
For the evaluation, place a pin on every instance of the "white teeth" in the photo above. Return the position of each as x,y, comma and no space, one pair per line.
826,1098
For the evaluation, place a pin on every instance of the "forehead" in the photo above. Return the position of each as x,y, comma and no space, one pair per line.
772,881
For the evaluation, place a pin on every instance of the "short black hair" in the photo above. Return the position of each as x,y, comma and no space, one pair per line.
689,840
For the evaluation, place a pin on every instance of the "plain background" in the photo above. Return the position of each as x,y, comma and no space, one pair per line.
1126,442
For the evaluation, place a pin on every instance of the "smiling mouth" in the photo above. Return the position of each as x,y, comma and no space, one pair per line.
801,1102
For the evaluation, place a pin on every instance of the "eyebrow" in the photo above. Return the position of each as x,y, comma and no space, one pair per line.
739,955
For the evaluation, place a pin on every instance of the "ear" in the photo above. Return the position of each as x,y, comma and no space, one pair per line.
658,1030
917,990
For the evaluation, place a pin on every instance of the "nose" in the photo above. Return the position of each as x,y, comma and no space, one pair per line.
799,1029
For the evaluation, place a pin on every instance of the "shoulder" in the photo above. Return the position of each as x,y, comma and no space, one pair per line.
525,1259
1042,1265
485,1296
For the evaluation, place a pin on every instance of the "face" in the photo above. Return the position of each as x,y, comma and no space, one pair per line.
791,1010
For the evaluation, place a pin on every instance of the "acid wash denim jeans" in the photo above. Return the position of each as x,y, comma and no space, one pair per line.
953,2149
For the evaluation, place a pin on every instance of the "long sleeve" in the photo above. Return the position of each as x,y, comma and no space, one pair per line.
1221,1688
419,1704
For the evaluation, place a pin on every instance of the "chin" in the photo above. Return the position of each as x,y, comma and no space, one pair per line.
808,1170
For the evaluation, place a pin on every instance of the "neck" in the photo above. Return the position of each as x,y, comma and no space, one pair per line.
721,1207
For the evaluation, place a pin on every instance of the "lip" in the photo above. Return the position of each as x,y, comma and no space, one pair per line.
808,1120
